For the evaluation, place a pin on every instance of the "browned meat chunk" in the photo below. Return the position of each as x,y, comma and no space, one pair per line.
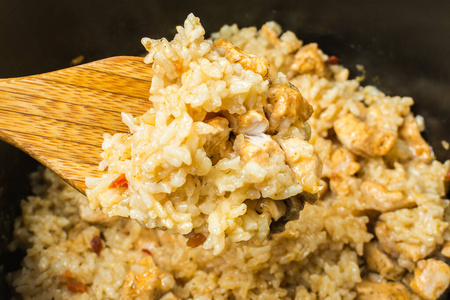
362,139
285,106
382,291
377,197
379,262
431,278
414,140
308,60
257,64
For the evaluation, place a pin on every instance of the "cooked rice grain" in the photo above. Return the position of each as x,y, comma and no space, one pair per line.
326,254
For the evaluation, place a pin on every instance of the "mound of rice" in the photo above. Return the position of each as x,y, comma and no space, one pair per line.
221,151
379,231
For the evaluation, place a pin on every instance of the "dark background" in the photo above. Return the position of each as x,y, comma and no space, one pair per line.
404,46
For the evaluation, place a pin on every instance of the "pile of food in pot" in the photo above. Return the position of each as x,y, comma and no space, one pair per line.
260,171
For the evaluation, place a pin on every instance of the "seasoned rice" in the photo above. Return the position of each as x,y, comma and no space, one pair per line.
380,228
220,152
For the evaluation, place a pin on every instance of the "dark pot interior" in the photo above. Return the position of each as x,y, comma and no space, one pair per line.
404,46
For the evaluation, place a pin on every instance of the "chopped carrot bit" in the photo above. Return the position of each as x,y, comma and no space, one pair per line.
67,274
196,240
447,176
75,286
119,182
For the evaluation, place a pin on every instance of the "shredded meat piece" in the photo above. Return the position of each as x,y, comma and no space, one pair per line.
386,243
150,284
344,162
377,197
368,290
217,144
96,244
362,139
252,122
285,106
395,248
411,134
379,262
119,182
431,278
258,149
259,65
304,161
196,240
308,60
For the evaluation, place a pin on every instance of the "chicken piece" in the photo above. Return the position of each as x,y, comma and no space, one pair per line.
146,281
342,184
414,140
395,248
413,252
431,278
308,60
368,290
276,209
362,139
304,161
385,241
446,250
379,262
375,196
251,122
285,106
218,144
344,162
257,64
259,148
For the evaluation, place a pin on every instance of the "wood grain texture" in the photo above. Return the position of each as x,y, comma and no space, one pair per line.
60,117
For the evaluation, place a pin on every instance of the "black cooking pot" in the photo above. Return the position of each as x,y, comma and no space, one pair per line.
404,46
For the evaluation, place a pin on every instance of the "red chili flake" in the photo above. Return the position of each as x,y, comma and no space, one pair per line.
96,244
147,251
447,176
75,286
67,274
119,182
196,240
332,60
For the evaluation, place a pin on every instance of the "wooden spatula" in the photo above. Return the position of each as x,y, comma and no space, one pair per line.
60,117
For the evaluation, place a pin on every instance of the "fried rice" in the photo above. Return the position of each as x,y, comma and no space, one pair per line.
378,231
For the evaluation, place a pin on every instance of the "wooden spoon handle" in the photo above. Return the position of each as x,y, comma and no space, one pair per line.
59,118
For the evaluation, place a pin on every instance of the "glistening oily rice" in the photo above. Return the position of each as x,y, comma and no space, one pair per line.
380,228
221,151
